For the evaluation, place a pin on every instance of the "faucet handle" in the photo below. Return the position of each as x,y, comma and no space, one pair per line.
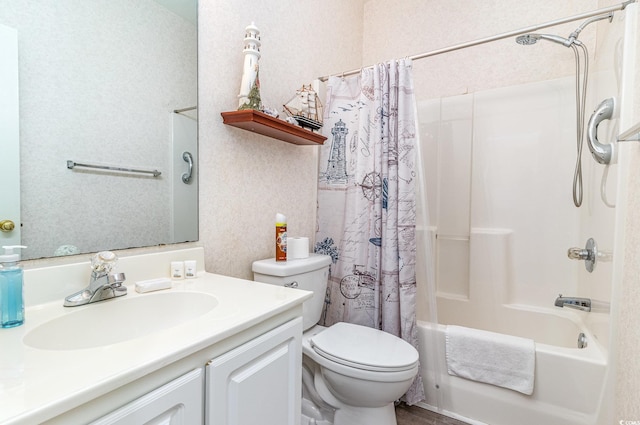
577,253
103,262
589,254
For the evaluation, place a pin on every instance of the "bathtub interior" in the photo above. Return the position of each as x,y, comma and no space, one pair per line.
568,383
499,168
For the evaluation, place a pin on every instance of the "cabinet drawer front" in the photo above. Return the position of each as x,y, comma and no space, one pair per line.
177,403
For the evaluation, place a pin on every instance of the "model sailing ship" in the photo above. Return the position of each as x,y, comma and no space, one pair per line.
305,108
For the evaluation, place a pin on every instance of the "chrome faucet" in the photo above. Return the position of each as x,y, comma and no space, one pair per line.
102,284
583,304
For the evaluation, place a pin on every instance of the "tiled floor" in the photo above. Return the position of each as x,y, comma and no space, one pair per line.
414,415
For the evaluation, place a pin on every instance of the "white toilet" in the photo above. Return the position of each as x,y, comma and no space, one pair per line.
352,374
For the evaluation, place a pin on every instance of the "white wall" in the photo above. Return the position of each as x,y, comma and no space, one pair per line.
245,179
415,26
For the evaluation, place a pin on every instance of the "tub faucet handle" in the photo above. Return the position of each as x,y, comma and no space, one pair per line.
578,253
588,254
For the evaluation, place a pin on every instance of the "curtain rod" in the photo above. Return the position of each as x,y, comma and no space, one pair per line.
514,33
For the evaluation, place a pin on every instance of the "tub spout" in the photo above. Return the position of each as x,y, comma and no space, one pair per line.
583,304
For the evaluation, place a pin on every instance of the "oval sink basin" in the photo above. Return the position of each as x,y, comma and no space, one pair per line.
119,320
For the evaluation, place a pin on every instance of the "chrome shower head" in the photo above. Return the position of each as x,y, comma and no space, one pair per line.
529,39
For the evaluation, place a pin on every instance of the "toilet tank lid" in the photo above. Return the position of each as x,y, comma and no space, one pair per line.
271,267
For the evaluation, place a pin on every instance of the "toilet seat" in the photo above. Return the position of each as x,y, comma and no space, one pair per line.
364,348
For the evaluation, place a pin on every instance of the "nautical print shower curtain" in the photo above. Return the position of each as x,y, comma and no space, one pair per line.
366,202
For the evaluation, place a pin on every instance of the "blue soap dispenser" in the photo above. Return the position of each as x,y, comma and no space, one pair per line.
11,289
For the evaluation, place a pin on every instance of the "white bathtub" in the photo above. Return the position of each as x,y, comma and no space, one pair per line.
569,381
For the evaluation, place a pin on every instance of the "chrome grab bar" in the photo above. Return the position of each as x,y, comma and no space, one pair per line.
72,164
186,177
601,152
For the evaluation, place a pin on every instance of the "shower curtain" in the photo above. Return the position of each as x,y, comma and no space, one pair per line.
366,202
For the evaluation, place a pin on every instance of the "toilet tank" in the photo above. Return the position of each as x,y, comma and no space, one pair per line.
310,274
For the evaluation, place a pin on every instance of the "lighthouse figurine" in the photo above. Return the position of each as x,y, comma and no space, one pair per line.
249,97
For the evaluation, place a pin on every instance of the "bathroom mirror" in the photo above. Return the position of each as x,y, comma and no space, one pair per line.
99,81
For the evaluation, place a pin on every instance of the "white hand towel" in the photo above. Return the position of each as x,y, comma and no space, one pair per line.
493,358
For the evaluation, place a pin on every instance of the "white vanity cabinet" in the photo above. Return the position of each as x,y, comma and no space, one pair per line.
253,377
236,362
258,382
177,403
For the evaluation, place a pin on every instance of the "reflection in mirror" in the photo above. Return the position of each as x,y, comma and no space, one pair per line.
99,81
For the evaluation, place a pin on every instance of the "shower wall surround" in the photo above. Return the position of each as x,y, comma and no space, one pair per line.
502,171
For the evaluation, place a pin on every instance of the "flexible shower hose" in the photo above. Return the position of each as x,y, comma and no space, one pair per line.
581,97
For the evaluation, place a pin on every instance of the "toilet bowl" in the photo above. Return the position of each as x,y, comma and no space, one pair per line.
360,371
352,374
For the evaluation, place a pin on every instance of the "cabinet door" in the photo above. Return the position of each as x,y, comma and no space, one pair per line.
258,382
177,403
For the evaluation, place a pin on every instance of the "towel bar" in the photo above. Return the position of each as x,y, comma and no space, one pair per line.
73,164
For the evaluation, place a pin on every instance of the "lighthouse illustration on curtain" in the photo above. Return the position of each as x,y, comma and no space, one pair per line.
249,97
336,165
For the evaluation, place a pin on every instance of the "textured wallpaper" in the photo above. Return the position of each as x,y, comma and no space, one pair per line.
245,179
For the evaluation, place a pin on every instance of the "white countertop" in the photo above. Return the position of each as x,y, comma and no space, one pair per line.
37,384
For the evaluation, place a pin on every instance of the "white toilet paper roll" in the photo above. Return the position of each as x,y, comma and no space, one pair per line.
297,247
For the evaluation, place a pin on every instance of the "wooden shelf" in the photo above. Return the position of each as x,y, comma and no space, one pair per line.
259,122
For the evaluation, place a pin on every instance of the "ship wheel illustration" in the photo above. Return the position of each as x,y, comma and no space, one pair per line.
372,186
